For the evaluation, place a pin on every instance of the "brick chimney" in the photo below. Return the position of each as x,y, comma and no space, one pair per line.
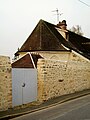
63,29
62,25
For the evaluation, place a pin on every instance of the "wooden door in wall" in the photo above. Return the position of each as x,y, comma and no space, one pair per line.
24,85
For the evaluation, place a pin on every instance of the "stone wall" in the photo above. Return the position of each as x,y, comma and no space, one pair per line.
56,78
58,74
5,83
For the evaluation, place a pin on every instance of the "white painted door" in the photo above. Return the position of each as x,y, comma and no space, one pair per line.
24,86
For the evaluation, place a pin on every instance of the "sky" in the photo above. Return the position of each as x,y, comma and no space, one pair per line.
18,18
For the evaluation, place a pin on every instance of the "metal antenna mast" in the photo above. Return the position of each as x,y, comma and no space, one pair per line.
57,11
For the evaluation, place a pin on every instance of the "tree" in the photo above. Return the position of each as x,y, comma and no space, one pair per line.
77,29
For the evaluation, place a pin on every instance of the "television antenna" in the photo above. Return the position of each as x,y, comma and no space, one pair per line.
58,14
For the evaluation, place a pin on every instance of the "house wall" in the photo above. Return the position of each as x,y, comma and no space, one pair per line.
5,83
60,77
55,55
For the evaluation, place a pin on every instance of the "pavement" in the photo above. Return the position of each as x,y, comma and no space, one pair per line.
11,113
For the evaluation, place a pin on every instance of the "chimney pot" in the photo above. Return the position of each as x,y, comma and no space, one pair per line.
62,25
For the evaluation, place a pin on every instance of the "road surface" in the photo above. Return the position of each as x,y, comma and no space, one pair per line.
78,109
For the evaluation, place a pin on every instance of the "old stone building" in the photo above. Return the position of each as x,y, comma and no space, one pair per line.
64,63
52,62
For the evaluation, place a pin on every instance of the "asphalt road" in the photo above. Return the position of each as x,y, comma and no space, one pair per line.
78,109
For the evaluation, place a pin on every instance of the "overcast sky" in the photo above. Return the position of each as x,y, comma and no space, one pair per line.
18,18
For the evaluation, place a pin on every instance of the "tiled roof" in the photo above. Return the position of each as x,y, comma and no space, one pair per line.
45,37
27,61
24,62
42,38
